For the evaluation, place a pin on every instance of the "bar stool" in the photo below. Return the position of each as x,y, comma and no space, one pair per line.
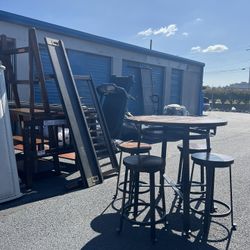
211,161
151,165
195,147
133,148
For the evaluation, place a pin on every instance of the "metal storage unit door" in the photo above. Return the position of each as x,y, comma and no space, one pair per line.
50,84
99,67
176,86
82,63
134,68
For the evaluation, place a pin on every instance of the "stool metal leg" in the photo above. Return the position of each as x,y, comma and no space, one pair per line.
192,173
136,193
202,178
118,177
162,192
212,208
231,199
209,181
152,206
200,183
123,200
180,169
131,187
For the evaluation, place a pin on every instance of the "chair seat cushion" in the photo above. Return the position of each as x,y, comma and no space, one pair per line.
132,147
144,163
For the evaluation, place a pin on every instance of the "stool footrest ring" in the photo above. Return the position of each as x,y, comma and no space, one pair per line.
144,223
195,184
142,184
213,214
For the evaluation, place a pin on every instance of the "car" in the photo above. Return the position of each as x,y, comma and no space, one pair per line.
206,104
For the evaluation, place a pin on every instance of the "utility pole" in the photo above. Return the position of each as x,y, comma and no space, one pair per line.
248,49
249,89
151,43
248,85
249,78
212,98
248,74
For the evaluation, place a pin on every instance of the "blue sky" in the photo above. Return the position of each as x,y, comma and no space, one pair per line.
215,32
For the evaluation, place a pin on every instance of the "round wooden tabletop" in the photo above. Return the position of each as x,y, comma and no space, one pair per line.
183,121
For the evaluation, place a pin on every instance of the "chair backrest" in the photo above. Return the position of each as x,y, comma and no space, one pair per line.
114,103
125,82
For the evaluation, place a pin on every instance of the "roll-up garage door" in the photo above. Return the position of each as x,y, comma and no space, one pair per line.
82,63
176,86
137,107
50,84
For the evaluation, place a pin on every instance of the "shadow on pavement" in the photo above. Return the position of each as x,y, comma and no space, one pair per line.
46,185
135,237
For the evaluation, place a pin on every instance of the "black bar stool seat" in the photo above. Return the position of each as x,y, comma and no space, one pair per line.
211,161
144,163
150,165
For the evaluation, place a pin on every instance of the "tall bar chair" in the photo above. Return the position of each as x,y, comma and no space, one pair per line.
132,148
196,146
150,165
211,162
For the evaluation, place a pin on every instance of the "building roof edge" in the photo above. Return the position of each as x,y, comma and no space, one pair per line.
41,25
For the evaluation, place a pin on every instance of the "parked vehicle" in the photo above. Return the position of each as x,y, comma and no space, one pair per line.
206,104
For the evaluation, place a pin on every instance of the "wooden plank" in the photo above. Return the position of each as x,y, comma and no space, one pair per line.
19,138
69,156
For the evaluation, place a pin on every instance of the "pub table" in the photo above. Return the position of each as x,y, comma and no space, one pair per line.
183,124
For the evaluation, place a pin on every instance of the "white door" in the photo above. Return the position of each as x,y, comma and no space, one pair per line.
9,184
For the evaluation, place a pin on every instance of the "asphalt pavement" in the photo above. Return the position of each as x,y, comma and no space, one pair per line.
50,217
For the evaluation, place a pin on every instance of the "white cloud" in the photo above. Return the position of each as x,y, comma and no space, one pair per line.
215,48
185,34
196,49
169,30
147,32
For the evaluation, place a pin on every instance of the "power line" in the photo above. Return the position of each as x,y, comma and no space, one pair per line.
228,70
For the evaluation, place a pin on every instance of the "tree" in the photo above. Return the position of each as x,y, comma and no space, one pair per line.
233,95
245,96
222,95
